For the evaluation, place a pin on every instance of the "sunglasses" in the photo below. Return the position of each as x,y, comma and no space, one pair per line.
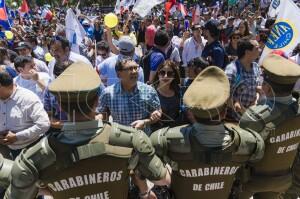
236,37
163,73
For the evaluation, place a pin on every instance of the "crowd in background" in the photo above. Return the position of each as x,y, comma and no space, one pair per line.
159,58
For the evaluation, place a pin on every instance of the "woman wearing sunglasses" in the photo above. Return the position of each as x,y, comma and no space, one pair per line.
167,85
231,48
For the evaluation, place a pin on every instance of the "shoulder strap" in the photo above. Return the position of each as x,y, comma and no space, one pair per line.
238,76
69,154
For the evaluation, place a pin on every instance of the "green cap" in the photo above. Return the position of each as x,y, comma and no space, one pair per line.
78,83
280,70
208,93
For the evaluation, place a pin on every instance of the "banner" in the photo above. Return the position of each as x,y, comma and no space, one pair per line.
274,8
285,34
143,7
74,30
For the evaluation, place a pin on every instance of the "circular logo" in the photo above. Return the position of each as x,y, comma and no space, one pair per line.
280,36
275,4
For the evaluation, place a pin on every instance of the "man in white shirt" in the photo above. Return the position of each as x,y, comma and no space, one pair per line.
36,49
61,51
193,46
23,119
28,76
25,49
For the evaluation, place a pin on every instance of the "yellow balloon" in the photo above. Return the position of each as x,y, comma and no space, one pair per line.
48,57
9,35
110,20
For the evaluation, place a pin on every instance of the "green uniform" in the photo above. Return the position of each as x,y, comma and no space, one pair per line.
80,163
205,158
88,158
278,122
200,170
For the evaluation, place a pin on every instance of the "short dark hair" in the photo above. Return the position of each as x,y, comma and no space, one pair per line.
32,39
198,62
20,61
5,79
243,45
103,45
161,38
64,41
120,63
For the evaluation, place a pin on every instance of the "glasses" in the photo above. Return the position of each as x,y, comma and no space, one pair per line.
131,68
163,73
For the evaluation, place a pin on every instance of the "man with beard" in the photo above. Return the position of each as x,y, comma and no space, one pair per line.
61,51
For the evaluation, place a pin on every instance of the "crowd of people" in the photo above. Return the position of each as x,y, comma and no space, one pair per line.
174,99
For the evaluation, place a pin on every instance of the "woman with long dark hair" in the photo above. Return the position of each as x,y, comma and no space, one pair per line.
167,84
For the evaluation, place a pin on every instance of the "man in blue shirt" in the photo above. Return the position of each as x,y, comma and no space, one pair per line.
158,54
107,67
213,51
130,102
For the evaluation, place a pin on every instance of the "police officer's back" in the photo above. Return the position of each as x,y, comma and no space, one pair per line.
206,155
278,122
80,161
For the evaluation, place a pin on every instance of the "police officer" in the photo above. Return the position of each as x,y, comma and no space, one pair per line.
83,161
278,122
206,155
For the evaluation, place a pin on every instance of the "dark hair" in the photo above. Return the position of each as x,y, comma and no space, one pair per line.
20,61
243,45
245,23
270,22
64,41
198,62
32,39
3,53
103,45
120,63
176,81
5,79
296,50
161,38
4,43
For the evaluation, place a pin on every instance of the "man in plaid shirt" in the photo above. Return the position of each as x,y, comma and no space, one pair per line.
130,102
244,76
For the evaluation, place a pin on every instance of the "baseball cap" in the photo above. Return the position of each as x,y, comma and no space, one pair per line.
126,44
22,45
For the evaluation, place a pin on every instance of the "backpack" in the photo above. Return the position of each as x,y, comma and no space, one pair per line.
145,64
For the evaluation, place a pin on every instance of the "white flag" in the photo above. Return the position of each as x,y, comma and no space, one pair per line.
118,7
143,7
74,30
285,34
127,3
274,8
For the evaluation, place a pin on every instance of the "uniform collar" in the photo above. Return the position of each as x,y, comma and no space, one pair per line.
285,100
77,126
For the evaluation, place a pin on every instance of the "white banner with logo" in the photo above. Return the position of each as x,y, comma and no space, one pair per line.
143,7
285,34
